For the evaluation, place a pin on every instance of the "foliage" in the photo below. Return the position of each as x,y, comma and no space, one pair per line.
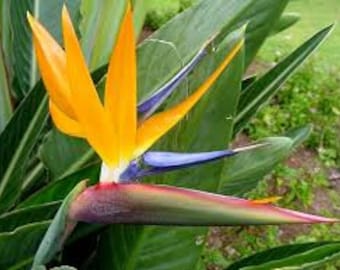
33,186
163,10
312,96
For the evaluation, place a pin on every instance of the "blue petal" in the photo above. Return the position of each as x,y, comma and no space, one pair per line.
147,107
154,162
159,162
171,159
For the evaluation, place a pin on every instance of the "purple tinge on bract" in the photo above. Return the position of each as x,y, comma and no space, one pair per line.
166,205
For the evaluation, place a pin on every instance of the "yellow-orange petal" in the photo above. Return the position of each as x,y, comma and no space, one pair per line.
90,112
64,123
156,126
52,63
268,200
120,90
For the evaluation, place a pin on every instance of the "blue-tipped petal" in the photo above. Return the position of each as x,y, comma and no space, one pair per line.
154,162
159,162
147,107
171,159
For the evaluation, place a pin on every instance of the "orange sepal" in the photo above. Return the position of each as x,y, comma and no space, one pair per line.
120,90
91,115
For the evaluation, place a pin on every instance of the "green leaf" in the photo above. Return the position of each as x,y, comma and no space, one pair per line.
261,90
58,230
16,218
16,144
287,20
61,154
48,12
242,172
140,9
99,29
18,247
292,257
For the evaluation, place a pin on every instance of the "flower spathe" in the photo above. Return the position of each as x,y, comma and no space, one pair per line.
121,131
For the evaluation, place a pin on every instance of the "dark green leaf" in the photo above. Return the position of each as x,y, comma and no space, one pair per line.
18,247
58,190
16,143
16,218
261,90
299,256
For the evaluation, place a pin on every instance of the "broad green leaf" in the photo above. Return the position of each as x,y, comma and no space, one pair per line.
208,126
99,28
242,172
59,229
287,20
261,90
18,247
65,158
292,257
48,12
16,144
5,102
16,218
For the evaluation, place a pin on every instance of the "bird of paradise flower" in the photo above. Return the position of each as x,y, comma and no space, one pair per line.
122,135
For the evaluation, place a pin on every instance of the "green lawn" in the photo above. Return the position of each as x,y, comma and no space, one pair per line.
315,14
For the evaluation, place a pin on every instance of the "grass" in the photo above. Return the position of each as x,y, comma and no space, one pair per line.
162,10
315,14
